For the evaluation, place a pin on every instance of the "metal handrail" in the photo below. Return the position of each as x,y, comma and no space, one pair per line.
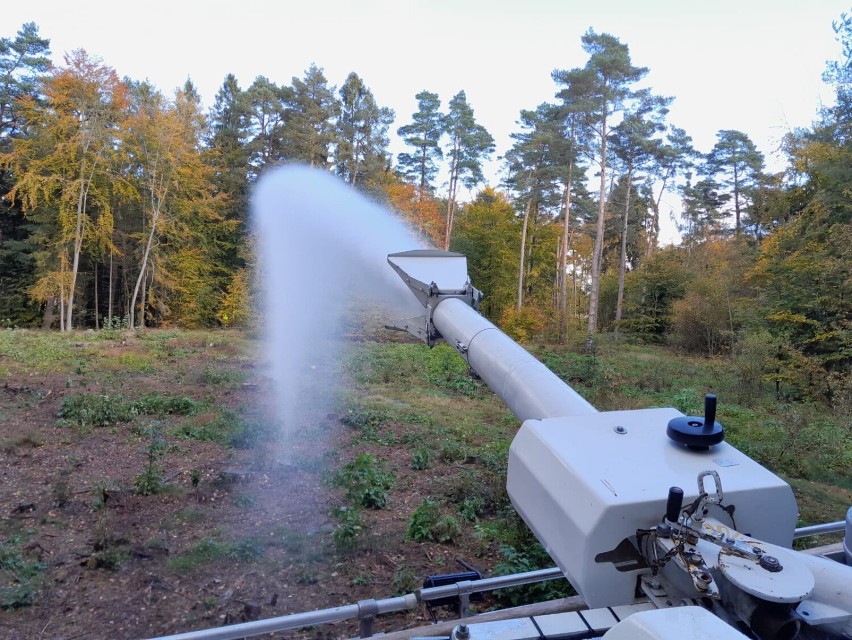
819,529
365,608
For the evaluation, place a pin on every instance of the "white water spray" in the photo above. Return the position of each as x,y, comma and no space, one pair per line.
322,246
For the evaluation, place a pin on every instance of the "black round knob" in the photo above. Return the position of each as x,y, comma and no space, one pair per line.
696,432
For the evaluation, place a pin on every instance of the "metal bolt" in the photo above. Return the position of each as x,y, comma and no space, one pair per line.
620,430
770,563
461,632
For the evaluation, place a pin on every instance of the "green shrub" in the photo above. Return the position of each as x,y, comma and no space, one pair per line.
92,411
350,526
102,410
246,550
150,481
445,369
404,582
532,558
20,579
421,525
421,460
219,375
366,482
447,530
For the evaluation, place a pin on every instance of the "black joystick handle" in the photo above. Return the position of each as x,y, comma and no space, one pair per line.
709,412
696,432
674,503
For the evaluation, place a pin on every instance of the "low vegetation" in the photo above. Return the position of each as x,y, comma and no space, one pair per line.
408,474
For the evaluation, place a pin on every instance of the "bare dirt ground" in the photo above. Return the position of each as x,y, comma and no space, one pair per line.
235,534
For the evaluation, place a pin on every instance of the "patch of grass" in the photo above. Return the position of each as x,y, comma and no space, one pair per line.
24,440
87,410
93,411
201,553
220,375
155,404
38,351
227,428
209,550
445,369
246,550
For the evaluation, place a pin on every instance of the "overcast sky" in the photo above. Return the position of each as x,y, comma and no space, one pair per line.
750,65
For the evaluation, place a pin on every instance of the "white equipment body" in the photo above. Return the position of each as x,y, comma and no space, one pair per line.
594,488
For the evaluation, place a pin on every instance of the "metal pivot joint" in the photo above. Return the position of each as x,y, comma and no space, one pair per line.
447,278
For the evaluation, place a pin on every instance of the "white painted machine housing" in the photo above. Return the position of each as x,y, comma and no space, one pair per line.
583,486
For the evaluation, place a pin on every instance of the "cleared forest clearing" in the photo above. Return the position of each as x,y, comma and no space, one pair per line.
147,489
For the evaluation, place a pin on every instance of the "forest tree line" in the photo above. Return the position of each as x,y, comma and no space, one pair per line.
127,207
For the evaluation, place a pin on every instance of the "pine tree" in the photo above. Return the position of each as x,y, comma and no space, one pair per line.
424,134
362,128
469,144
736,164
228,155
599,90
535,165
310,119
23,63
265,104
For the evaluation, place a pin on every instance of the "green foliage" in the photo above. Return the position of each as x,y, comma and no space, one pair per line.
487,233
421,459
796,441
471,508
445,369
150,480
404,582
651,291
202,552
20,578
423,521
688,401
366,482
246,550
102,410
754,362
87,410
349,528
532,558
210,549
424,135
447,529
218,375
228,428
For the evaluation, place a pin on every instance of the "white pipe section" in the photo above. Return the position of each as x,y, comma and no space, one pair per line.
529,389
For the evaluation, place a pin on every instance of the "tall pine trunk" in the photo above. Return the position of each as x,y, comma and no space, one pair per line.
522,260
622,267
597,253
110,294
563,263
